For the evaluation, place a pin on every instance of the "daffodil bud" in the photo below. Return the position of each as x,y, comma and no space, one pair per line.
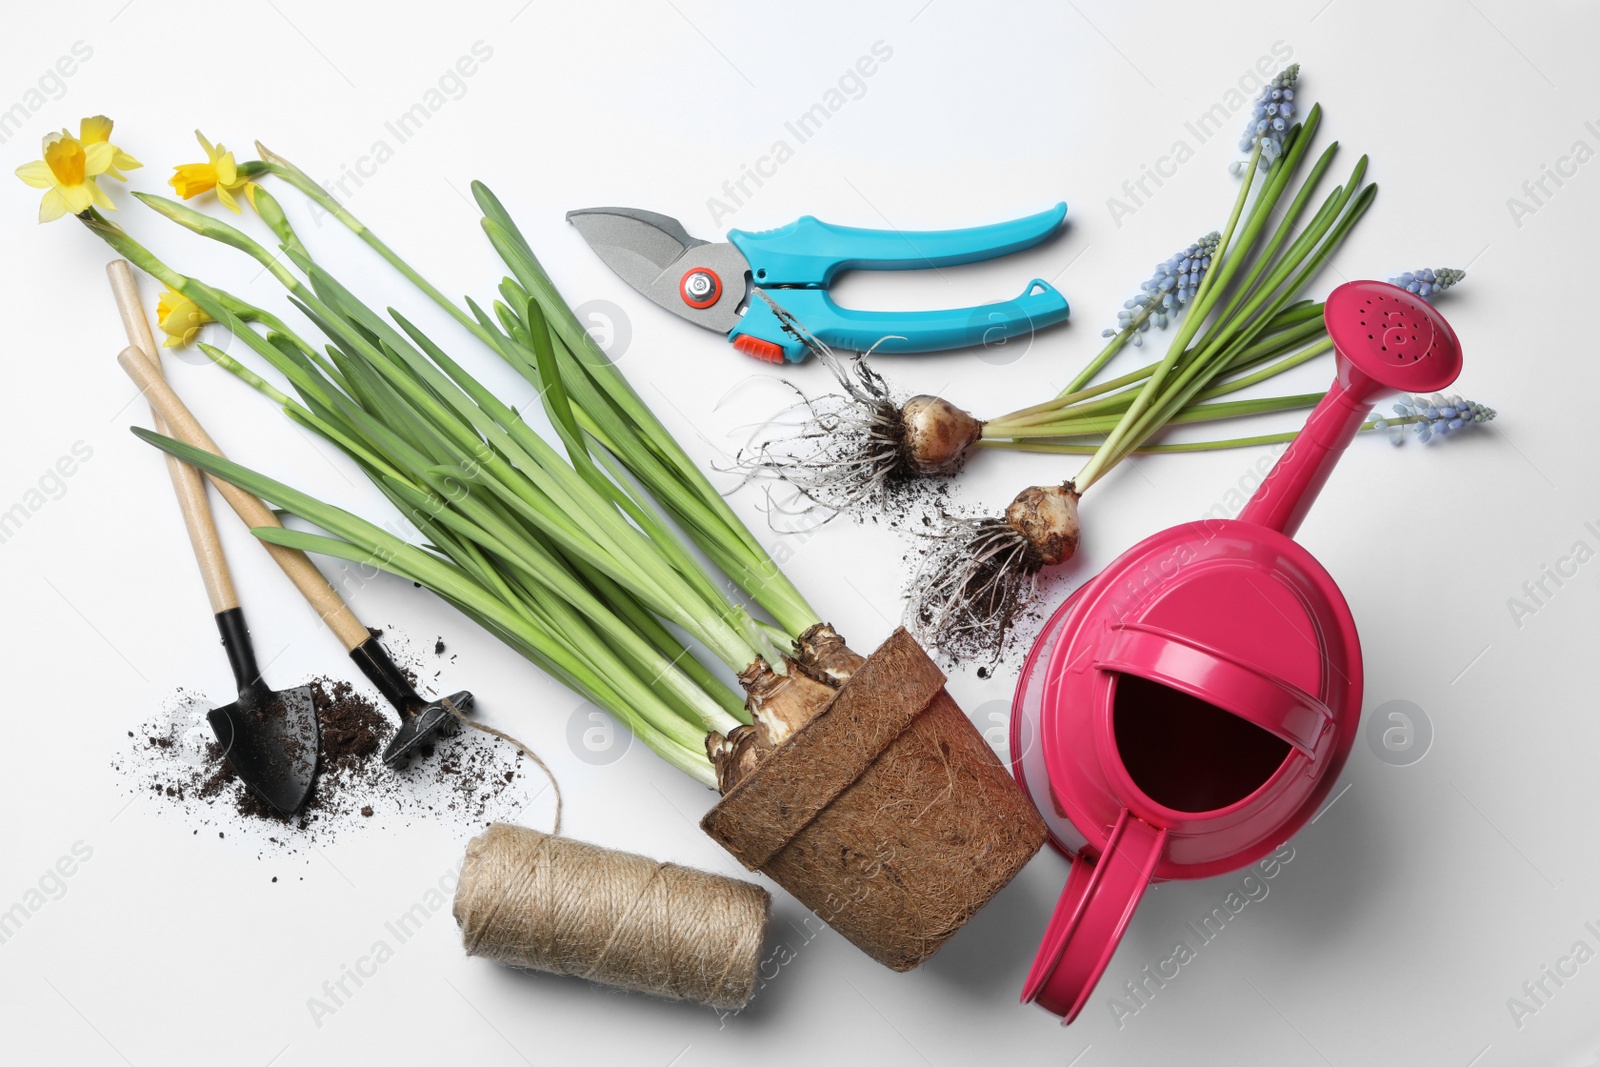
271,213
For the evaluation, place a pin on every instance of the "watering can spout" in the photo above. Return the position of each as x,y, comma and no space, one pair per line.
1293,484
1386,340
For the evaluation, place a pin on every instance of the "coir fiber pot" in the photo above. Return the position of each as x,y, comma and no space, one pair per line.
887,814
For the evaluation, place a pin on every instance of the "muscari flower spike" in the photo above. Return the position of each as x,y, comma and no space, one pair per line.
1173,285
1428,283
1433,416
1269,118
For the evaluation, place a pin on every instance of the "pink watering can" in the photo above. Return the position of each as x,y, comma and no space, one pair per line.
1191,706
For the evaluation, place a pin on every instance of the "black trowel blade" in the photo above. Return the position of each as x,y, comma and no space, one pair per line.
270,741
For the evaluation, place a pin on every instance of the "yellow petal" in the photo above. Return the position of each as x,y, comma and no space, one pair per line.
77,198
173,324
52,207
123,161
227,199
97,158
98,195
93,129
37,174
227,171
192,179
250,192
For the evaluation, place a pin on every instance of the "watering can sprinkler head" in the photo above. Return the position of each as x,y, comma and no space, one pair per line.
1385,340
1389,340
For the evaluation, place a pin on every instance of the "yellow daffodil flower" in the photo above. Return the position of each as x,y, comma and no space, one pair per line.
179,317
67,173
218,172
96,129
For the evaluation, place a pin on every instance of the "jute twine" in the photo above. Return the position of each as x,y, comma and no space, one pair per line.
485,728
532,899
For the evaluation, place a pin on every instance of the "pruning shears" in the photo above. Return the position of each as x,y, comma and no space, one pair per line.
716,285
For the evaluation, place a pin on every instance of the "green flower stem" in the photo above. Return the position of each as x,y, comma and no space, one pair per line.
1250,324
1233,385
462,420
1193,413
222,232
661,455
628,664
721,530
271,213
133,251
1118,402
1198,375
1288,328
359,541
1063,448
1278,182
1242,318
1077,422
282,168
298,412
1216,279
1113,346
1303,258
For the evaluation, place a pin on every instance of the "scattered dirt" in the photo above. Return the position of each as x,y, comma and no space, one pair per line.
470,779
938,544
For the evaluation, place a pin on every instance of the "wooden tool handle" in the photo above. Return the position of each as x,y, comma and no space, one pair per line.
186,480
302,572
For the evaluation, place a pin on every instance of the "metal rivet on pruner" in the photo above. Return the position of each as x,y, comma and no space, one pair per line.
700,287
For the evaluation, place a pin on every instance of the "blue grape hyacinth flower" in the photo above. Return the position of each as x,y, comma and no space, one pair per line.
1428,283
1270,118
1172,285
1433,416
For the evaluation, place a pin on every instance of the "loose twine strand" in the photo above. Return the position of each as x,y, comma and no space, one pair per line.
526,751
531,899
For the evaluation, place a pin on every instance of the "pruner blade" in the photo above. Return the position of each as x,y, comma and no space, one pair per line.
697,280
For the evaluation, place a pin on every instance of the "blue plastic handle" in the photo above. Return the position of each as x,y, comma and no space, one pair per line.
811,253
1040,305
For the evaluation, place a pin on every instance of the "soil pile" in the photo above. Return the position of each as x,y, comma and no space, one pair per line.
465,779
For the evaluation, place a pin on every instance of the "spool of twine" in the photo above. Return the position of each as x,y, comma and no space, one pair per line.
531,899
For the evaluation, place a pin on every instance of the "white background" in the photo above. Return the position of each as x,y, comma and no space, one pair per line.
1413,908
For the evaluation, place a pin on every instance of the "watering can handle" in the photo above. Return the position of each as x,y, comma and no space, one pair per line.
1089,920
1285,711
